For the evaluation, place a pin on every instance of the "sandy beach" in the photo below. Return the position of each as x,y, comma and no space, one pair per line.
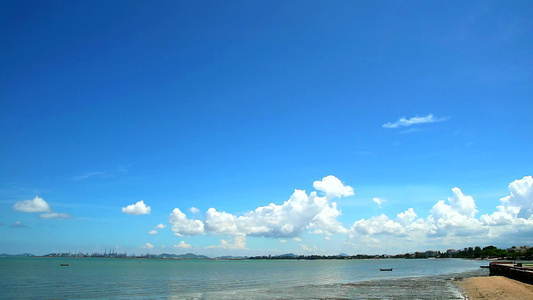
495,287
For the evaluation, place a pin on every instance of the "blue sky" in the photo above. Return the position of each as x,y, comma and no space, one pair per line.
258,127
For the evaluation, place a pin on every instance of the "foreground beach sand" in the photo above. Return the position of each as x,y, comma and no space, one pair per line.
495,287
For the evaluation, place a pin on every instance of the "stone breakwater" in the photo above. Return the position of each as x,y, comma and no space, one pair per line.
516,271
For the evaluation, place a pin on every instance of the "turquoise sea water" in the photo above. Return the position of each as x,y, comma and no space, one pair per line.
89,278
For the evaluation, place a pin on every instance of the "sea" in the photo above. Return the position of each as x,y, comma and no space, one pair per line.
120,278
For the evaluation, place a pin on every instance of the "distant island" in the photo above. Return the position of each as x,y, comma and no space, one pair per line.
489,252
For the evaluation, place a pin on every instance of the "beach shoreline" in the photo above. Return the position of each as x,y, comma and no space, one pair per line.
494,287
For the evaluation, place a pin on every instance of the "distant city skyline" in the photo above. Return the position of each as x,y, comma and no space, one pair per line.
251,128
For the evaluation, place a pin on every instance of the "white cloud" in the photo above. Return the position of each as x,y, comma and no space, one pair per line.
407,217
236,243
160,226
465,205
450,222
379,201
148,246
403,122
138,208
152,232
182,245
182,226
379,225
194,210
308,249
300,213
456,219
87,175
36,205
521,196
333,187
54,215
517,208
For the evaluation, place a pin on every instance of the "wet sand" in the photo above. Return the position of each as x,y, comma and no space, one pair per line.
495,287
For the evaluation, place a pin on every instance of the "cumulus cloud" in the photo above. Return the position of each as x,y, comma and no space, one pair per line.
138,208
333,187
152,232
182,245
194,210
181,225
517,208
301,212
455,219
521,196
379,225
403,122
407,217
449,222
36,205
54,215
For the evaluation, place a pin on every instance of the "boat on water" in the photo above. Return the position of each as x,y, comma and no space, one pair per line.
64,265
381,269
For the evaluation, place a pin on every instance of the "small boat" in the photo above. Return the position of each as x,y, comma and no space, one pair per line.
64,265
385,269
484,267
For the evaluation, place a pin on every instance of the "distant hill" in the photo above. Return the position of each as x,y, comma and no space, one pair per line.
287,255
182,256
16,255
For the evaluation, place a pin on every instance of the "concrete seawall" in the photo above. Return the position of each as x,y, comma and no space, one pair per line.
512,270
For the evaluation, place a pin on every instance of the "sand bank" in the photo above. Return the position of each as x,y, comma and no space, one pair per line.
495,287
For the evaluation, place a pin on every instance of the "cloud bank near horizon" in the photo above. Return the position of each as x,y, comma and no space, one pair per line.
447,223
454,221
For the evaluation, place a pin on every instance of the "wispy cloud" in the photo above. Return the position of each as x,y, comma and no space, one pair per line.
54,215
148,246
88,175
403,122
122,170
379,201
18,224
